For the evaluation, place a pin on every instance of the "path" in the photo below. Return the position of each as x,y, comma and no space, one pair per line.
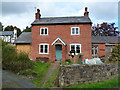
50,71
11,80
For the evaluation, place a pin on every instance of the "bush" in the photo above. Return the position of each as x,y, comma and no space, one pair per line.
79,58
115,54
68,60
13,61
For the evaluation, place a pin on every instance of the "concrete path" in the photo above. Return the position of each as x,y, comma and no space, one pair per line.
51,70
11,80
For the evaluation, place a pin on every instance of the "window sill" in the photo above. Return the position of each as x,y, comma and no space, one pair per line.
43,53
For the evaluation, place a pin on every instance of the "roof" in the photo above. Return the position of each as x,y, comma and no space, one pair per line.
63,42
7,33
63,20
105,39
25,37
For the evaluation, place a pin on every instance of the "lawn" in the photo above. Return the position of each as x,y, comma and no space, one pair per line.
114,83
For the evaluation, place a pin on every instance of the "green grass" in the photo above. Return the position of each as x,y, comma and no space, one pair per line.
114,83
40,69
53,80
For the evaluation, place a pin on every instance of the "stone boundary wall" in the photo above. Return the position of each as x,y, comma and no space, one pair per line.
78,74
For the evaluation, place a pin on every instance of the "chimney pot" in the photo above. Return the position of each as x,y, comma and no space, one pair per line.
85,9
86,13
37,15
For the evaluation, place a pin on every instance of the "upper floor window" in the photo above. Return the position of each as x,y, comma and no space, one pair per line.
75,31
43,31
76,48
43,48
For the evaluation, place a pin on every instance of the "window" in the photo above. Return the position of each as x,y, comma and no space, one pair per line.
75,31
43,31
43,48
76,47
95,50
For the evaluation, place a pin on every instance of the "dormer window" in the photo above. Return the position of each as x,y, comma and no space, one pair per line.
75,31
43,31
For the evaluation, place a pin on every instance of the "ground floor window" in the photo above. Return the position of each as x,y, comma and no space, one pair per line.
76,48
95,50
43,48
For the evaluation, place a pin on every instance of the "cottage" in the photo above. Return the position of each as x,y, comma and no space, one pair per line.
9,36
55,37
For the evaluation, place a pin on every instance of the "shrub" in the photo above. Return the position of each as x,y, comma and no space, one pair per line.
68,60
13,61
115,54
79,58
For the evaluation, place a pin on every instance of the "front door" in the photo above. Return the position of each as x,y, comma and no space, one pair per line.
58,52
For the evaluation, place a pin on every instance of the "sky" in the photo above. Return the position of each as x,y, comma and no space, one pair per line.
22,14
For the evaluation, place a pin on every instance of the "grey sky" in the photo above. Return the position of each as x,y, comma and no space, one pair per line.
22,14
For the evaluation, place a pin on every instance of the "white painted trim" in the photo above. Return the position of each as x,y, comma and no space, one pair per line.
44,47
44,30
75,31
75,47
58,39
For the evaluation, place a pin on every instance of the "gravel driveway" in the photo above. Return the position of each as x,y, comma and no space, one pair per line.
10,80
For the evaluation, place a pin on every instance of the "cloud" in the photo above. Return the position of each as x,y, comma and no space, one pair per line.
13,8
104,10
22,14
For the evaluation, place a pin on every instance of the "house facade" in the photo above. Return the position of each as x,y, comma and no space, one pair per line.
55,37
9,36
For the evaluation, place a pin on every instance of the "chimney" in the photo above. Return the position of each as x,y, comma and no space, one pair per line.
86,13
37,15
15,33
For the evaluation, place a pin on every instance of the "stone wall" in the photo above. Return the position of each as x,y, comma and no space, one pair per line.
78,74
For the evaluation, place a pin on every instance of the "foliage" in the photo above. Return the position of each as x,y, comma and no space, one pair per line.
11,28
114,83
13,61
1,27
28,29
105,29
115,54
68,60
79,58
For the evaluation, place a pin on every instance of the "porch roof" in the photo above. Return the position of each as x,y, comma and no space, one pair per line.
63,42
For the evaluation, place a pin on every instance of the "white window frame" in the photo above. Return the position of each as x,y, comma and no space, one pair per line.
44,30
75,30
44,48
75,48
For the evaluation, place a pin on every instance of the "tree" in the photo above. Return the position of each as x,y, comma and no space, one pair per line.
11,28
28,29
115,54
105,29
1,27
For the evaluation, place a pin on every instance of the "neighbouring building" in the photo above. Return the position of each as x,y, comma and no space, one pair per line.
102,46
55,37
9,36
23,43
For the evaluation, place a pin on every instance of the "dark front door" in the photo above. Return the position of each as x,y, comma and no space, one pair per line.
58,52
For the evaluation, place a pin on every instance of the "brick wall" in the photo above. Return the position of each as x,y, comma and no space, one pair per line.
63,31
101,50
